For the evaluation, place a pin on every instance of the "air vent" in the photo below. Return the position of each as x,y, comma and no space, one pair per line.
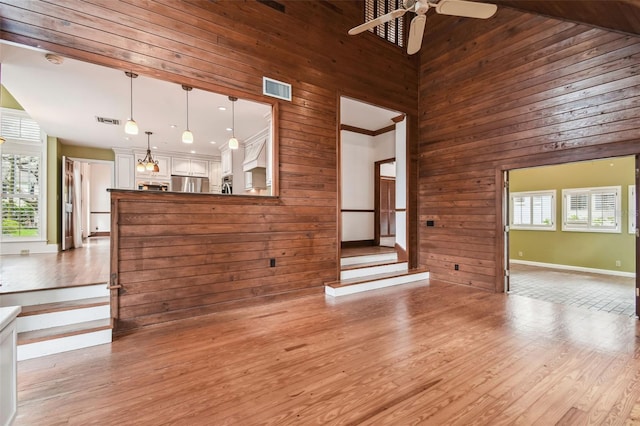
276,88
105,120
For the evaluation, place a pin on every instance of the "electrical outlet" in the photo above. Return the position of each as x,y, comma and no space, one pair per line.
618,263
272,263
519,254
456,267
24,252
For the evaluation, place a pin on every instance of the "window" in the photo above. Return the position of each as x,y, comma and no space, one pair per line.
591,209
393,30
632,209
533,210
22,172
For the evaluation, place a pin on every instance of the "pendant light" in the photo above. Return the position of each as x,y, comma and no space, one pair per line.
148,163
131,127
233,142
187,136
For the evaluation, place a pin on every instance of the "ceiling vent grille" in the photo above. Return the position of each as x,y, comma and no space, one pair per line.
105,120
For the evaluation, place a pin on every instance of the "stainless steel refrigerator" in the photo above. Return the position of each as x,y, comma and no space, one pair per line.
189,184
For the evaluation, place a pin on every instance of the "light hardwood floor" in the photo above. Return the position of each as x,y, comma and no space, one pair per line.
86,265
429,353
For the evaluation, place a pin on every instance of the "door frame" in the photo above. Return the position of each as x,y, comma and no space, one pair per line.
502,215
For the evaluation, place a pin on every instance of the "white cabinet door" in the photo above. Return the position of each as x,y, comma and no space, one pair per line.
125,168
180,166
215,176
199,168
227,162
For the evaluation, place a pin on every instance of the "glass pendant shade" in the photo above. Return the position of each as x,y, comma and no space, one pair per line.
140,167
187,136
156,168
131,127
233,142
149,166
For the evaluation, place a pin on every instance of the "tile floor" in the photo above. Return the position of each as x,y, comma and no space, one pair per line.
585,290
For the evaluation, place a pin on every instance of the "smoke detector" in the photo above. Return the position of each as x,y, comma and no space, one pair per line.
54,59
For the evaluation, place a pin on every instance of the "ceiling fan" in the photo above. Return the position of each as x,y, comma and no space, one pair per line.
467,9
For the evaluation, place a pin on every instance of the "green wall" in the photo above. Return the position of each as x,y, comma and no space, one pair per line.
8,101
583,249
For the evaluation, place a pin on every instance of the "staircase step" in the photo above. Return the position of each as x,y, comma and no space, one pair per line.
380,257
53,295
364,271
374,282
46,308
57,314
33,344
63,331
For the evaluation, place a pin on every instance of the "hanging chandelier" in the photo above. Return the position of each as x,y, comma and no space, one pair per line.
148,163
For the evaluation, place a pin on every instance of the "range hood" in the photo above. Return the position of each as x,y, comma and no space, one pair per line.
255,156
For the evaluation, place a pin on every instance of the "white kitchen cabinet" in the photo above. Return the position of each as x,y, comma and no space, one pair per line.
125,169
8,364
226,165
215,176
189,167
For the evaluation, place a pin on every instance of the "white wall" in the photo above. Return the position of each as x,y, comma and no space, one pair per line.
358,154
99,199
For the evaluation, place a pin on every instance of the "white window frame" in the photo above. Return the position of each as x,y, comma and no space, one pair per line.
32,147
588,226
632,209
531,227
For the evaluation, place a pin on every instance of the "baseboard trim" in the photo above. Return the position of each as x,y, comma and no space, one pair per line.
575,268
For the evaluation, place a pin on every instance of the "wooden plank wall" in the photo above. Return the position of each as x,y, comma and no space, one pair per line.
180,256
514,91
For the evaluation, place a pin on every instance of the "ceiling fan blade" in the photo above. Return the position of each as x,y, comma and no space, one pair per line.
415,34
379,20
467,9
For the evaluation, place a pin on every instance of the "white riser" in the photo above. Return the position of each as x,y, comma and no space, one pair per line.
54,295
383,257
374,285
64,344
373,270
55,319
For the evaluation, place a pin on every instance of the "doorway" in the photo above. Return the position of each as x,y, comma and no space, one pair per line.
571,234
372,177
85,201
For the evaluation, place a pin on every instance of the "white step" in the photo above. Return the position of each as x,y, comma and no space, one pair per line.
374,284
373,270
56,319
63,344
38,297
370,258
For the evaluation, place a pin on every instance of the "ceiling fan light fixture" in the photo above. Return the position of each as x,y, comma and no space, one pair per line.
131,127
233,142
187,136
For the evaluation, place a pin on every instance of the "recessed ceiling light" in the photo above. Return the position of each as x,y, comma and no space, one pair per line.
229,129
221,108
213,142
154,147
173,126
127,138
193,152
54,59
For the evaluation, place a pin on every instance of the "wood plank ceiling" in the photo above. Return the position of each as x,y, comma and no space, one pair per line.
617,15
